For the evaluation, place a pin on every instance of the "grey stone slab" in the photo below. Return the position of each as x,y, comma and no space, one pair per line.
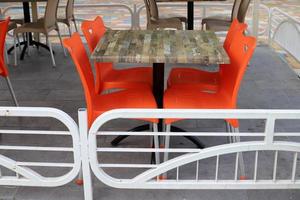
8,192
273,194
268,83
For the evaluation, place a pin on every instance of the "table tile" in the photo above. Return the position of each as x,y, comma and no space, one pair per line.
161,46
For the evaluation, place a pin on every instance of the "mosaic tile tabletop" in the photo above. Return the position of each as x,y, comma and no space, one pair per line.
185,0
168,46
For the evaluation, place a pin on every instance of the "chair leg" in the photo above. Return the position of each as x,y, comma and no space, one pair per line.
167,146
51,51
167,142
79,180
6,54
202,27
15,48
120,138
156,144
28,44
18,39
61,43
70,31
12,91
240,155
75,25
228,130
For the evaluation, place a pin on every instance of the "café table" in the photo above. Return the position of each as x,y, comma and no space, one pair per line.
190,9
160,47
27,19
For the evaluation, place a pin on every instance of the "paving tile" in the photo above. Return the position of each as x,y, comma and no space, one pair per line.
60,88
8,192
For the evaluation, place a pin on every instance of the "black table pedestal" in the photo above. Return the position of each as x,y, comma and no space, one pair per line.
190,15
158,92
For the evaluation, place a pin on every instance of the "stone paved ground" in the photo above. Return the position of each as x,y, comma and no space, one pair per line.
268,84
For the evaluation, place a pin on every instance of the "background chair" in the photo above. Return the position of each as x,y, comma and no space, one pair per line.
231,77
44,25
100,103
69,16
155,22
135,77
13,24
204,80
3,69
222,23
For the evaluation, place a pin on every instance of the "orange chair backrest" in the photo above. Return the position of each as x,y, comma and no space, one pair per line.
235,28
231,76
82,63
3,31
93,31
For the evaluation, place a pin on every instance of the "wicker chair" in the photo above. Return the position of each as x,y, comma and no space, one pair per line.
154,22
222,23
69,17
44,25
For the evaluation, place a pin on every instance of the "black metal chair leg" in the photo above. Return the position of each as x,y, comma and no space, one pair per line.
120,138
194,140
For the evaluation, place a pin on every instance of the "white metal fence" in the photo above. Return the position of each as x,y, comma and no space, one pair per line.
21,172
268,158
284,30
183,169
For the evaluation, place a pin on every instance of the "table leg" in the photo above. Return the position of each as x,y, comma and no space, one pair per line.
158,86
158,91
26,12
190,15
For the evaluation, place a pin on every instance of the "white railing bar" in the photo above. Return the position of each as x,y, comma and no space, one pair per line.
197,114
275,166
44,164
269,130
177,173
285,14
277,22
236,167
224,134
35,132
34,148
197,170
255,166
24,175
295,160
113,133
217,168
146,150
146,166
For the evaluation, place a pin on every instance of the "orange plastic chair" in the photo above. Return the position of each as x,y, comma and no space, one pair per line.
100,103
231,77
204,80
226,96
136,77
3,69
